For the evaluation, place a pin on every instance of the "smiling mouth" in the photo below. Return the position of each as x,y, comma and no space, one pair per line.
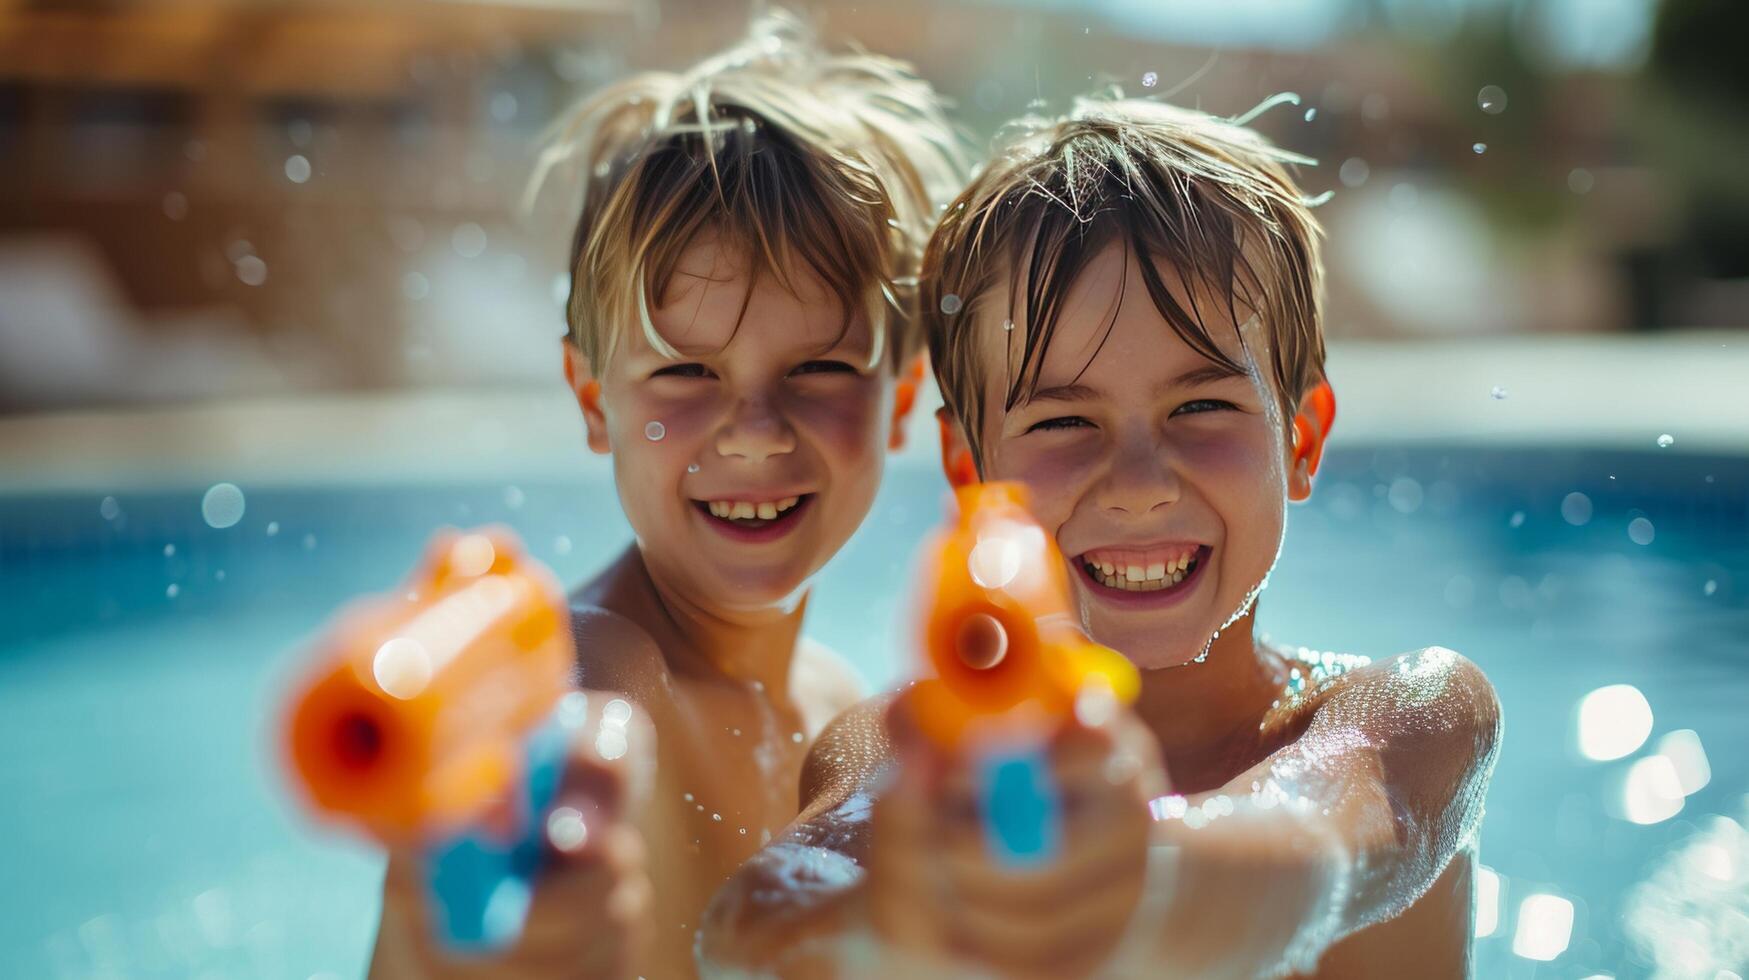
763,518
1158,571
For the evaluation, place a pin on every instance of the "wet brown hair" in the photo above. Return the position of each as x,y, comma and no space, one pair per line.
789,153
1210,198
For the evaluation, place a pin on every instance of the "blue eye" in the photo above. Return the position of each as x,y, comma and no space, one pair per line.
1061,422
1201,405
823,367
688,370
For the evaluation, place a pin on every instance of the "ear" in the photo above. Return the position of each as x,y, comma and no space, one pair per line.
1311,427
905,399
956,455
588,393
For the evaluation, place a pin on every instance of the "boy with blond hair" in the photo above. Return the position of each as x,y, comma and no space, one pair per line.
741,318
1123,312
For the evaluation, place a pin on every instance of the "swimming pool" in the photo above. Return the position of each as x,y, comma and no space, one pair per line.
148,834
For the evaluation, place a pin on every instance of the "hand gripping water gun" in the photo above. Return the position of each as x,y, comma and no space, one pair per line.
437,720
1006,662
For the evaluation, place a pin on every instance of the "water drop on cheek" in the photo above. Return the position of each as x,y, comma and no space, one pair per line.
654,431
692,467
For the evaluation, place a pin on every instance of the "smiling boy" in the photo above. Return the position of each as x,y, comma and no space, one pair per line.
743,283
1123,314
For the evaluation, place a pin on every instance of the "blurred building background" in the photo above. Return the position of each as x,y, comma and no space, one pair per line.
239,198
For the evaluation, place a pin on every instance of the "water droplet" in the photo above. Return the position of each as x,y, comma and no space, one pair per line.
219,575
687,797
1711,586
692,467
222,506
514,497
1479,147
1008,326
1405,496
175,205
566,829
743,831
169,550
1640,531
172,590
415,286
109,509
468,240
1666,440
309,542
1150,79
1580,181
1491,99
272,528
1311,113
950,304
297,168
1498,393
1576,509
504,107
1353,172
797,737
562,545
251,271
735,732
1517,519
654,430
717,817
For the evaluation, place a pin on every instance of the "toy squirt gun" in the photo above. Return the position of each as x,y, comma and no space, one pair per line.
435,721
1006,663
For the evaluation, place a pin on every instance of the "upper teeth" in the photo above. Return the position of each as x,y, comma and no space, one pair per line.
745,510
1119,574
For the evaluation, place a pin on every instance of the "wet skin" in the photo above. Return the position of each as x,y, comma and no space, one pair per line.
1336,799
699,623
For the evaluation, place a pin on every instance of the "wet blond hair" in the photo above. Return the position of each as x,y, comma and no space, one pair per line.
790,153
1211,198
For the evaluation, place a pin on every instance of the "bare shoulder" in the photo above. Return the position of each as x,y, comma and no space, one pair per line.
847,755
1431,690
823,683
614,653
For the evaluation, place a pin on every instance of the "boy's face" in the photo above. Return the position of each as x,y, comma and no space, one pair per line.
1161,474
746,462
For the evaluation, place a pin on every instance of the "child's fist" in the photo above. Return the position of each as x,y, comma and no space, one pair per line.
590,912
936,885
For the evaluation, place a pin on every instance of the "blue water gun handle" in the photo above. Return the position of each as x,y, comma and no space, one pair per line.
1022,811
481,884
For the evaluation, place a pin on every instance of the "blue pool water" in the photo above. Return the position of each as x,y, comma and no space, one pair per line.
146,832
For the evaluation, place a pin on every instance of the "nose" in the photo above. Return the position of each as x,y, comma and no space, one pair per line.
1141,477
755,431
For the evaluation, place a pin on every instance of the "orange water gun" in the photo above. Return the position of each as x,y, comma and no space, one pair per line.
1005,660
440,709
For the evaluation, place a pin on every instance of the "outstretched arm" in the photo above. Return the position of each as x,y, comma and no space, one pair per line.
780,911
